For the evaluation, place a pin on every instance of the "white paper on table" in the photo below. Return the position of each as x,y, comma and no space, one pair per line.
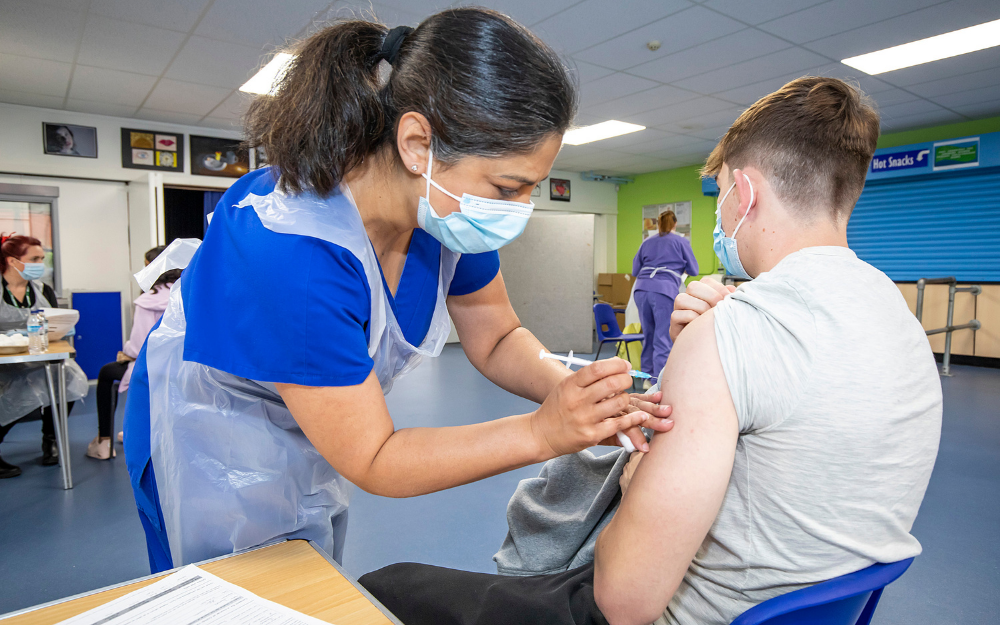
192,596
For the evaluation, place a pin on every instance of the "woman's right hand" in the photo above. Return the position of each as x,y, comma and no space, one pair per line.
699,297
586,408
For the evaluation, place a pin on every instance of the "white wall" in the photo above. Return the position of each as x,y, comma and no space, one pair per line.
21,146
586,196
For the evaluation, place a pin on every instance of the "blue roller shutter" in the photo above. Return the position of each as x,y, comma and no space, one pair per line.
931,226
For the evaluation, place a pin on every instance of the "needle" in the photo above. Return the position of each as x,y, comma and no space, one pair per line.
570,360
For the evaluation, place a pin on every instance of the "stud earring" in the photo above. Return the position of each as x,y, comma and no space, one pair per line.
414,168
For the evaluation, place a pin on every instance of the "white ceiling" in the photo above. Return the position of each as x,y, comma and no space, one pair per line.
182,61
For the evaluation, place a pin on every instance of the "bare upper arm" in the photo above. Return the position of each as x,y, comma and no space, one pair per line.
678,488
483,318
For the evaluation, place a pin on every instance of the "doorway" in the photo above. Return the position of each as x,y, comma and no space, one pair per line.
185,211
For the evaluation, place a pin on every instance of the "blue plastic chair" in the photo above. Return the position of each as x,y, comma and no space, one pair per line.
846,600
608,330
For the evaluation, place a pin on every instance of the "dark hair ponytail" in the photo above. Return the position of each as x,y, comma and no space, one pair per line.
486,85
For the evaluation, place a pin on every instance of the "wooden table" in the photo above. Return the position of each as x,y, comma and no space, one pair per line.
57,354
294,573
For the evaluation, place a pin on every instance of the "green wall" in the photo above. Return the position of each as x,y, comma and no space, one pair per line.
659,187
679,185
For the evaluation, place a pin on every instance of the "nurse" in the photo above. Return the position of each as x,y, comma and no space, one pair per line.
260,394
658,267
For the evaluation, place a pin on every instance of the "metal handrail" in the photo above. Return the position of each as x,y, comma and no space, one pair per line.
953,288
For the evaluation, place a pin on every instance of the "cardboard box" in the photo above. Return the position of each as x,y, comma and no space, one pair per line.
605,281
621,288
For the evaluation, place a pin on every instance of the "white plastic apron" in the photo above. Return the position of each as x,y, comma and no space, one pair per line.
23,387
233,469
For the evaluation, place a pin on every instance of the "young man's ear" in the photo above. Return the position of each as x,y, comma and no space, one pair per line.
746,191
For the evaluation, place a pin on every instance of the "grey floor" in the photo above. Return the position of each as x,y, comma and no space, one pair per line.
55,543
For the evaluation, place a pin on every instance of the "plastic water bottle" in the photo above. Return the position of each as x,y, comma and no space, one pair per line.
35,345
45,330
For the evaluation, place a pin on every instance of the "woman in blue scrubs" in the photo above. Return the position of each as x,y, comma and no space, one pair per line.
261,393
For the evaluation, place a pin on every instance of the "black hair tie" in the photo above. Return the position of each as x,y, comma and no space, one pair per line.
393,41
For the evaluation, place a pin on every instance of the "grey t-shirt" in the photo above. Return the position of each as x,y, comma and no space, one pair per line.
839,407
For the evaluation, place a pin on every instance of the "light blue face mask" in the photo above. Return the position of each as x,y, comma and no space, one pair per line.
479,225
32,271
725,247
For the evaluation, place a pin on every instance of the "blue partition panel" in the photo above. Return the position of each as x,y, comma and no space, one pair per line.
99,331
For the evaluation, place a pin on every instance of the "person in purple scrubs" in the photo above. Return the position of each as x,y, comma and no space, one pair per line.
658,266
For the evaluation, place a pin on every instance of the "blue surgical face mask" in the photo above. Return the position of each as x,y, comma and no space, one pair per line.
479,225
725,247
32,271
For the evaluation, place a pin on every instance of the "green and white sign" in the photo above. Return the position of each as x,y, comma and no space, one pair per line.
956,154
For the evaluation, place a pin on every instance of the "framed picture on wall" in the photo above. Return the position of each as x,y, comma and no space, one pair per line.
152,149
559,189
69,140
214,156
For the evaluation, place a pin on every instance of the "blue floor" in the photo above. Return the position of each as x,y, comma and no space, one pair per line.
55,543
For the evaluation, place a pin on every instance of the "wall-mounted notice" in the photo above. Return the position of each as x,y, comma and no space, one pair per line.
149,149
893,161
651,215
956,154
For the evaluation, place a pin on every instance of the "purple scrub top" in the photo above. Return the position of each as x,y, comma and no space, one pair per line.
671,251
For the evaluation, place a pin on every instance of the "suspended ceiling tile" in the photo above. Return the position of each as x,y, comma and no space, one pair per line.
168,117
712,134
100,108
893,96
740,46
40,76
626,107
36,30
391,16
179,15
213,62
955,84
221,124
969,98
233,107
114,44
757,12
593,21
920,21
868,84
623,143
667,142
698,107
676,32
527,12
650,164
30,99
749,94
945,68
906,109
68,5
185,97
587,72
110,86
611,87
258,23
753,71
921,120
696,124
839,16
981,110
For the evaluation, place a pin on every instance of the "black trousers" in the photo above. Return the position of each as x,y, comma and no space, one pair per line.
45,414
420,593
109,374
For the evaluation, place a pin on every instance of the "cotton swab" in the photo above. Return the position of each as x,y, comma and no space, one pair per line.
570,360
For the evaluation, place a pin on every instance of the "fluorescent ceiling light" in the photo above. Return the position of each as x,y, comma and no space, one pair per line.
926,50
263,81
604,130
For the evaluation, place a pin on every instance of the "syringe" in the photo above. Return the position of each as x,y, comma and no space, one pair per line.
570,360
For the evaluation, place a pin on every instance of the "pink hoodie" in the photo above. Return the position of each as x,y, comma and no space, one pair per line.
149,308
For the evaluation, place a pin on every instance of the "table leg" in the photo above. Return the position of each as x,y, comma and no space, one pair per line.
64,415
57,422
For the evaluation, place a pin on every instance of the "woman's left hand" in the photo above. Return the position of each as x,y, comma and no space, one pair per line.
659,420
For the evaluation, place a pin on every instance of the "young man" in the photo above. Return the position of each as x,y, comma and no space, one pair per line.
807,406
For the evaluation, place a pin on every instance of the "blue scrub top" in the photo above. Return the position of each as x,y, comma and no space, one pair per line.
287,308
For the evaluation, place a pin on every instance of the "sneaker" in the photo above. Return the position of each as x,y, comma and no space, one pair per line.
101,448
8,470
50,451
120,436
